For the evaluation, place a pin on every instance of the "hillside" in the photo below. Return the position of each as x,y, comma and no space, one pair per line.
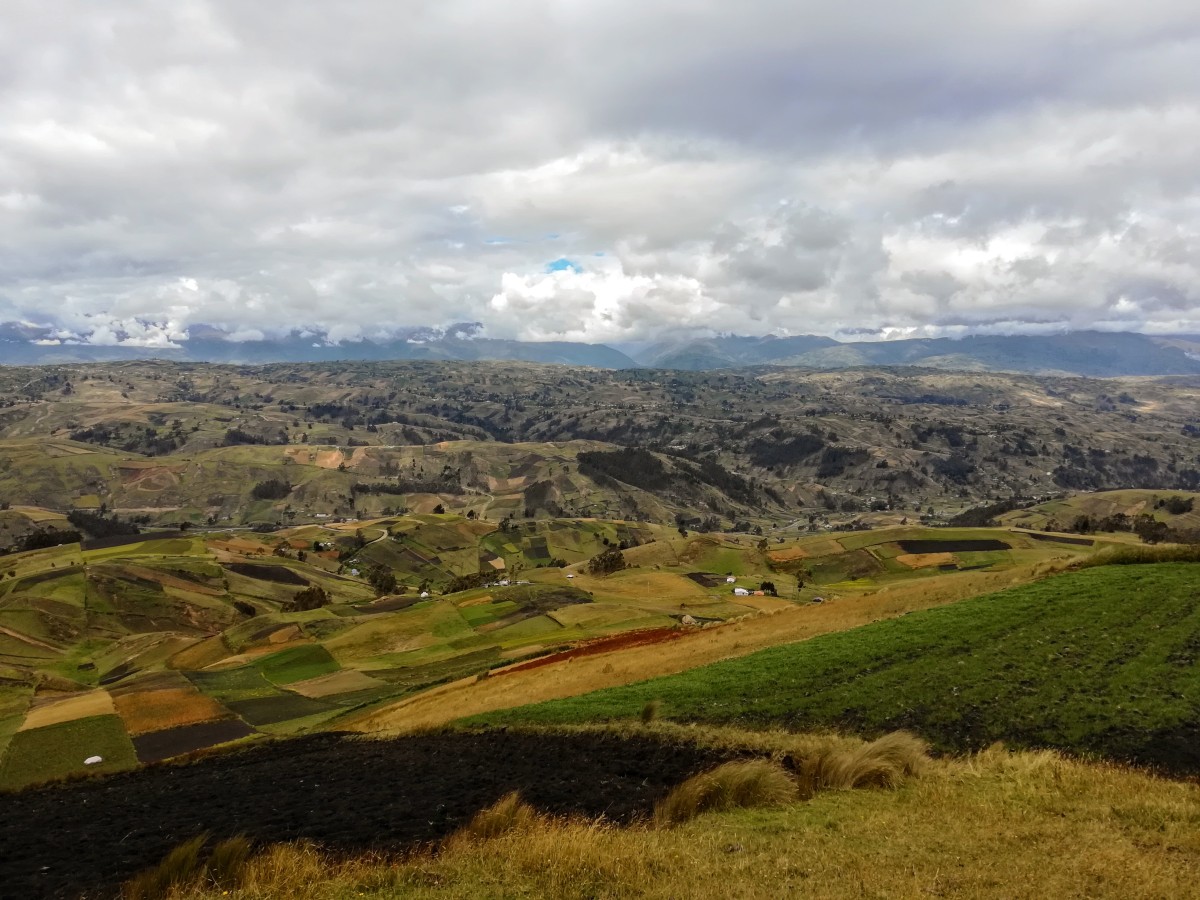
142,647
1101,661
188,443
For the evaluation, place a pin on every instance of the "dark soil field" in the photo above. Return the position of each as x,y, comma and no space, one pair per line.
160,745
277,574
85,838
952,546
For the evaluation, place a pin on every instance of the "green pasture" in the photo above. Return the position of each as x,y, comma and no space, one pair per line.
57,751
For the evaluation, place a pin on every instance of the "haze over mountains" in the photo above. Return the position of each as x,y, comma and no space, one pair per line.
1089,353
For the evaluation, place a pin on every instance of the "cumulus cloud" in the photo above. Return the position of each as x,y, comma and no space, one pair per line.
353,170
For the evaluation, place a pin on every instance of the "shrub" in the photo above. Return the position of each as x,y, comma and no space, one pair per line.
733,785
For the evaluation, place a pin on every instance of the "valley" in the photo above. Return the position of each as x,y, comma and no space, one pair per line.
217,567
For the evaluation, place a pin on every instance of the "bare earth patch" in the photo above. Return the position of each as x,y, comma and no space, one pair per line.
925,560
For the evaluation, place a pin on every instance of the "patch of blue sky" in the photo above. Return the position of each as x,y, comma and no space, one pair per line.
562,264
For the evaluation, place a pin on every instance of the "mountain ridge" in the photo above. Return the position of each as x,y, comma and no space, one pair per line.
1087,353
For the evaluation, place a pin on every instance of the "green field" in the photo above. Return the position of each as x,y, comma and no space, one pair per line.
1104,661
59,750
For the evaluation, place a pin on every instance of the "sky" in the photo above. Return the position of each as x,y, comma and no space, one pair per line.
616,171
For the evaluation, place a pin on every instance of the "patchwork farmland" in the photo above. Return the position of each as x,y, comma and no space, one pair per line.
149,647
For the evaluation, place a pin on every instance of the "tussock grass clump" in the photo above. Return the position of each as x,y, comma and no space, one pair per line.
182,866
650,711
509,813
883,763
733,785
186,868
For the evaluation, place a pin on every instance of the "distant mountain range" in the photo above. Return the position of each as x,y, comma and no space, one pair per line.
1090,353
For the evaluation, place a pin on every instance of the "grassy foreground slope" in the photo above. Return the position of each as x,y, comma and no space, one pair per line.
1105,661
999,824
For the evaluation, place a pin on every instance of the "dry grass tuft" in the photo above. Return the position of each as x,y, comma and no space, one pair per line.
733,785
180,868
509,813
185,869
883,763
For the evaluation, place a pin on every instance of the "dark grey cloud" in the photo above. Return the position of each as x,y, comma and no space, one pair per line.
361,167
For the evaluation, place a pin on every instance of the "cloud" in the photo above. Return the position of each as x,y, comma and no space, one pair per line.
355,170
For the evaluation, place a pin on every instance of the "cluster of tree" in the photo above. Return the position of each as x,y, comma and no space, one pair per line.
235,437
271,489
956,467
98,525
631,465
312,597
133,438
1145,526
1097,469
951,434
470,581
443,484
382,579
778,449
986,516
836,460
607,562
42,538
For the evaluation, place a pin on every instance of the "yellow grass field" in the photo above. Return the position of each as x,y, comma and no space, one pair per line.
503,690
654,588
146,711
93,703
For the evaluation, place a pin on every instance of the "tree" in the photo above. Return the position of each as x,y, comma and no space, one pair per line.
312,597
768,587
383,580
439,509
607,562
1150,530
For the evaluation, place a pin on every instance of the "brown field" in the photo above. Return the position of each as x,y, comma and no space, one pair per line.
343,682
158,710
505,688
826,547
200,654
787,555
81,706
925,560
